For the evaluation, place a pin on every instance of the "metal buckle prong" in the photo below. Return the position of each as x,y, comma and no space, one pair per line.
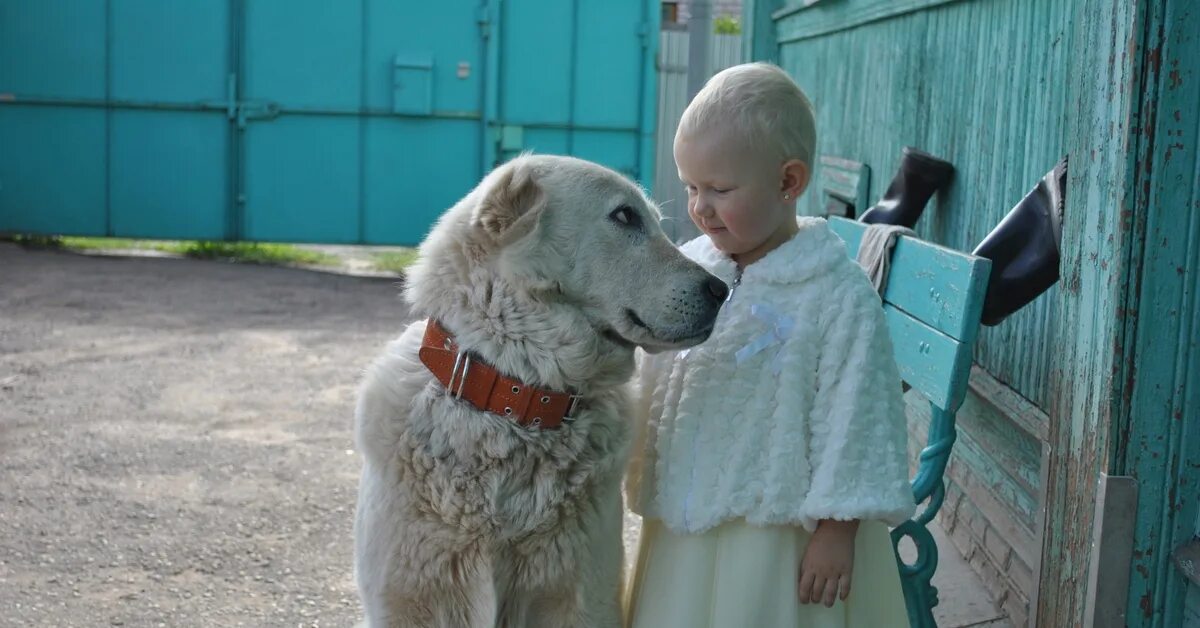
463,360
574,404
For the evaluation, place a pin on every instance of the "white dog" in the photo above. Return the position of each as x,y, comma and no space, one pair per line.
495,431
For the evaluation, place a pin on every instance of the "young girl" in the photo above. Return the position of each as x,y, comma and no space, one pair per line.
770,459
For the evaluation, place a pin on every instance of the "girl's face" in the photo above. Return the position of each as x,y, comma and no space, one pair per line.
743,201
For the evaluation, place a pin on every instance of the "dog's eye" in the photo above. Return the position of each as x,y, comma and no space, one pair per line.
625,216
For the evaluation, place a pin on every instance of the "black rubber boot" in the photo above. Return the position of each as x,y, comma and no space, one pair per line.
919,177
1024,248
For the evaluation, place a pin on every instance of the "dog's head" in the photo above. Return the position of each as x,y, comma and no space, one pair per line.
564,230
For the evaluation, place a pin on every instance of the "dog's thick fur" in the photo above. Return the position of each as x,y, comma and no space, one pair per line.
553,269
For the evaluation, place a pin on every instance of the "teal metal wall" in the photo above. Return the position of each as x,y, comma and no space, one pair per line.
304,120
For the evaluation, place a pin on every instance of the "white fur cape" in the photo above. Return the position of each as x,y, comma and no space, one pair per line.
807,424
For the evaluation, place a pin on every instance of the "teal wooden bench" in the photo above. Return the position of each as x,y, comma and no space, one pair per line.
932,304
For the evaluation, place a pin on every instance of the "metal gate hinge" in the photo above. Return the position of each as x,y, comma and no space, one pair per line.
484,19
242,111
255,110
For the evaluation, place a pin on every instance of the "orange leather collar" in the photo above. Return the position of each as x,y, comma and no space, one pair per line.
489,390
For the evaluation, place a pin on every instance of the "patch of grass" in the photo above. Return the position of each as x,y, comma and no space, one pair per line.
42,241
98,244
79,243
252,252
394,261
255,252
727,25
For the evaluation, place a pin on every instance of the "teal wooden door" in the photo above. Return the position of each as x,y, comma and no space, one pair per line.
1100,373
304,120
979,83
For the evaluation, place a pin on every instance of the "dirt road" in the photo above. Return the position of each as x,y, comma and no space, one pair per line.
175,440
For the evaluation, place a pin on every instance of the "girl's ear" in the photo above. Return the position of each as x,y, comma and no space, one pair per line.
794,178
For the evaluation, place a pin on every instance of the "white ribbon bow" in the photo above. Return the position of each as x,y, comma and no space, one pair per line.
780,328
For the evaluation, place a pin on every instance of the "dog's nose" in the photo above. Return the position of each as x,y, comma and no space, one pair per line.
716,289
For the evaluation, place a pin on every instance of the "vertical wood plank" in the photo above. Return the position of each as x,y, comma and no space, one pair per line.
1160,429
1097,241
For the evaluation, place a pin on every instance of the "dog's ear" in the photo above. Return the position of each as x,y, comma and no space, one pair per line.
511,206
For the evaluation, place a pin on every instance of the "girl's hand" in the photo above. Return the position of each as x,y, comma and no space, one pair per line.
828,562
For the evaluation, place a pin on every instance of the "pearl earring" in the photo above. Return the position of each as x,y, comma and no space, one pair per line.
787,197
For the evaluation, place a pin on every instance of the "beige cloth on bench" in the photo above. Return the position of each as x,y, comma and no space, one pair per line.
875,252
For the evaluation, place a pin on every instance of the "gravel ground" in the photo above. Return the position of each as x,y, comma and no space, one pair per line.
175,439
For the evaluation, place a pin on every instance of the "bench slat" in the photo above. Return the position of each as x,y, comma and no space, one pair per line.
846,180
930,361
941,287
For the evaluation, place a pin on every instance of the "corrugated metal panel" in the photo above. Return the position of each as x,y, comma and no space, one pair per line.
304,120
978,83
724,51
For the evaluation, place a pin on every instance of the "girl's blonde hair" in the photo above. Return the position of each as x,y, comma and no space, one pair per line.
762,104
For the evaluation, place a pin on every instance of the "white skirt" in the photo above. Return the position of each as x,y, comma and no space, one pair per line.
742,576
